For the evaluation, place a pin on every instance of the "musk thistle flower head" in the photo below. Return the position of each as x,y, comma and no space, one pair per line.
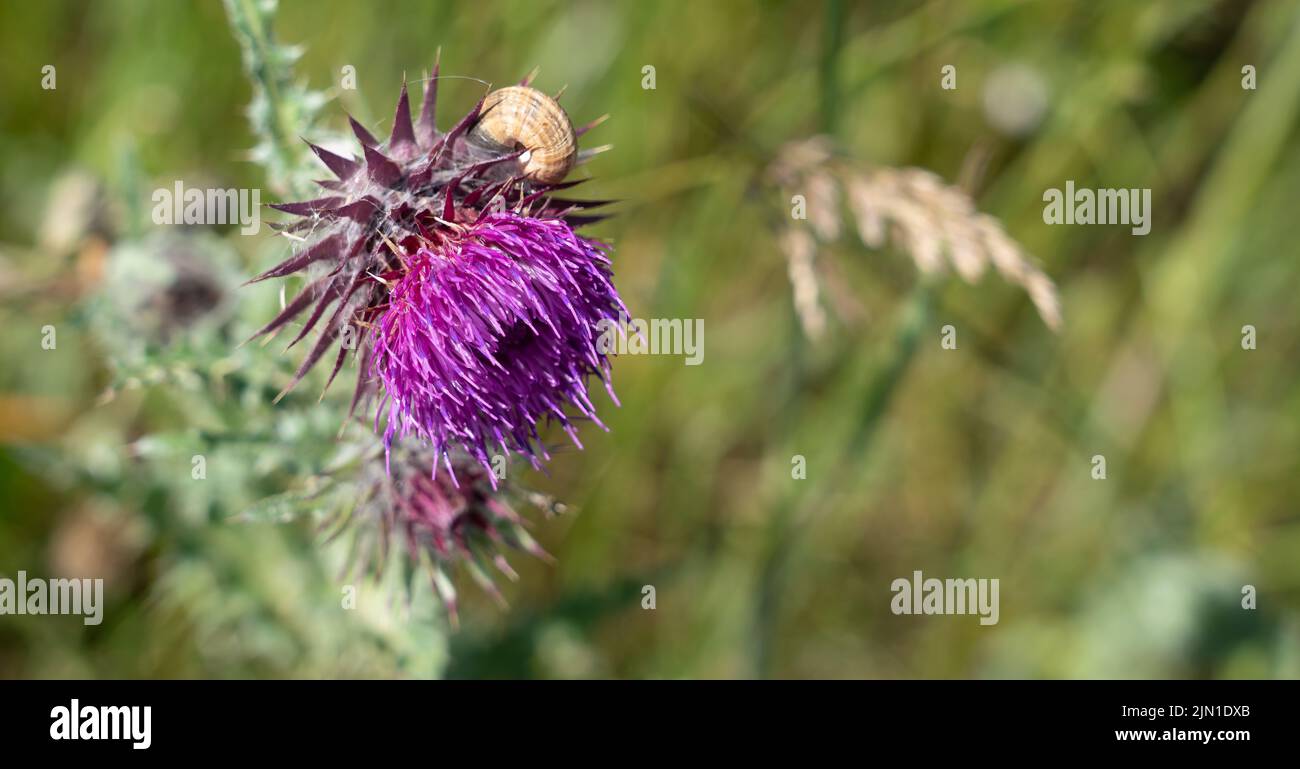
448,265
491,329
442,522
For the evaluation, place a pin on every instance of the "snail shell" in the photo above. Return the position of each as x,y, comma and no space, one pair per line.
520,117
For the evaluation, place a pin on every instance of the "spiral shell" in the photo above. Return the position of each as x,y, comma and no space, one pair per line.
520,117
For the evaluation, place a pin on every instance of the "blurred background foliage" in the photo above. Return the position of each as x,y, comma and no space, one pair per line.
967,463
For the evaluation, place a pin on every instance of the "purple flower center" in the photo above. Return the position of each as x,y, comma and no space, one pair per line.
492,331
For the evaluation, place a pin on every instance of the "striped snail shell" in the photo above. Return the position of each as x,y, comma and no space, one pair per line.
524,118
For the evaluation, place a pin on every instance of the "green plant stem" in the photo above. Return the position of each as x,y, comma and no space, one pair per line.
783,536
280,110
832,42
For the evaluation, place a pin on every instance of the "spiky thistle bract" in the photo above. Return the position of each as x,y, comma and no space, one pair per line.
428,519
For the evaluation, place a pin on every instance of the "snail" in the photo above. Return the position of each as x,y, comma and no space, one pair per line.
524,118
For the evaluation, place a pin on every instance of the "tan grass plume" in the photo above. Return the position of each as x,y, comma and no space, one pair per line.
935,223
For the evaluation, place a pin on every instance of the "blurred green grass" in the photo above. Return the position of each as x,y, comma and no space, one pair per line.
974,463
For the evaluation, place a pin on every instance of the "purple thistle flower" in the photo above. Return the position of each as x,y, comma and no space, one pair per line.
470,522
474,301
489,332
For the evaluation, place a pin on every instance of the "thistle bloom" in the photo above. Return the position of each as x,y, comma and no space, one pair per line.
459,283
491,330
471,521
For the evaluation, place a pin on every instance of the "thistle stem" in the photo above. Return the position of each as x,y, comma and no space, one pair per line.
280,109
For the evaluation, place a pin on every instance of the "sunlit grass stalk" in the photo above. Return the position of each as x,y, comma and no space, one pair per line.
782,539
832,42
